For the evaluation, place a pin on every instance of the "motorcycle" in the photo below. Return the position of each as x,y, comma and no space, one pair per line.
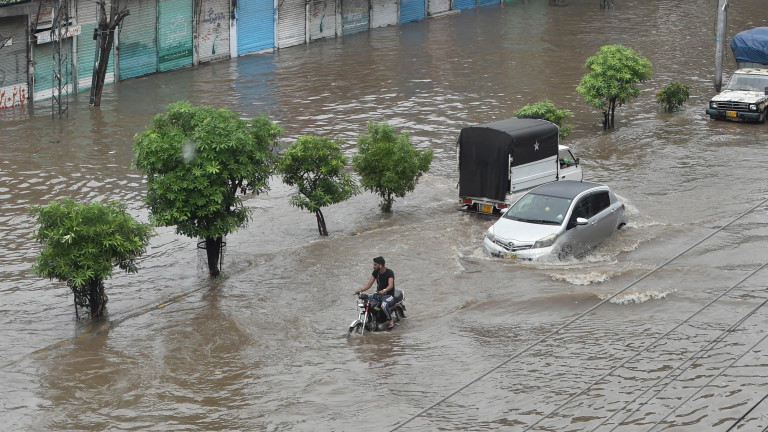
370,316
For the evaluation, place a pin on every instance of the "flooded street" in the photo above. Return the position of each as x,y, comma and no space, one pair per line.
659,328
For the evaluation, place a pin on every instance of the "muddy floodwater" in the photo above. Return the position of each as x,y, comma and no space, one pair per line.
660,328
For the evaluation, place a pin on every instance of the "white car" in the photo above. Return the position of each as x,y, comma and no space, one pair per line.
561,219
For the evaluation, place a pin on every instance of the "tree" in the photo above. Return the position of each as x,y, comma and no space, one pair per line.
198,161
546,110
82,243
388,163
673,96
105,40
610,82
315,166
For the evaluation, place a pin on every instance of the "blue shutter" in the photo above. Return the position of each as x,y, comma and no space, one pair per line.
463,4
138,41
487,2
255,26
412,10
174,31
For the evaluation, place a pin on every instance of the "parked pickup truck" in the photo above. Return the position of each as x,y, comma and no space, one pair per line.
744,98
746,95
500,160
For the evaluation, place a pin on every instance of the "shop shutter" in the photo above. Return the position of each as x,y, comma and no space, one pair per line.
13,62
412,10
255,26
42,54
291,23
487,2
354,16
463,4
138,40
439,6
174,31
322,22
213,30
383,13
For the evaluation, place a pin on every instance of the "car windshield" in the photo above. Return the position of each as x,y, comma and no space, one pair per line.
540,209
742,82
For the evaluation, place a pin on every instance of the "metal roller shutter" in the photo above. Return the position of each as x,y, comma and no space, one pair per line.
463,4
213,19
174,18
322,22
137,53
255,26
412,10
487,2
383,13
13,62
291,23
354,16
439,6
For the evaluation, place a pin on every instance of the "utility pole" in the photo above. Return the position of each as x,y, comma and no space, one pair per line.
722,21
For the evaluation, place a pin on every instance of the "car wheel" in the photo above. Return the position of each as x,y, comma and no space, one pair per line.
565,252
621,225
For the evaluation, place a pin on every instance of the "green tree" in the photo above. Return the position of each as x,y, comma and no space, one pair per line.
315,166
198,162
673,96
388,163
613,73
82,243
546,110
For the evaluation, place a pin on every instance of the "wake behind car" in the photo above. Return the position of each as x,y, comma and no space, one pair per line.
558,219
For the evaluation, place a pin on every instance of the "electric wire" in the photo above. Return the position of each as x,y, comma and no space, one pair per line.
711,380
642,350
747,413
697,355
583,314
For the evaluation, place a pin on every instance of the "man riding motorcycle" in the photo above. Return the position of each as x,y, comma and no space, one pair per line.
385,287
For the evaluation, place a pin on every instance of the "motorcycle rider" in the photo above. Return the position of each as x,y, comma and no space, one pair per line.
385,287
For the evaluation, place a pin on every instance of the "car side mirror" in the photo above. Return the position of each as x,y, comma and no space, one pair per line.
766,91
581,221
577,159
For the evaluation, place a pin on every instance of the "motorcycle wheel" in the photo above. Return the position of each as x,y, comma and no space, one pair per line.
355,328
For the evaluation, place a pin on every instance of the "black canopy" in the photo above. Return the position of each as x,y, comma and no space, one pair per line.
484,153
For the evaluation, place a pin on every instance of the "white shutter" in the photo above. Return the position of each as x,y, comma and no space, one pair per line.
291,23
383,13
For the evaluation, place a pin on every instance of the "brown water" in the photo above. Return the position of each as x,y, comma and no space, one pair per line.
488,344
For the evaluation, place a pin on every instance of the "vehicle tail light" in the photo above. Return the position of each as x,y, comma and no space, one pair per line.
467,201
501,206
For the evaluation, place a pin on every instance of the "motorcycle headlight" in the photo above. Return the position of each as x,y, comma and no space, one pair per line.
489,235
713,105
752,107
545,241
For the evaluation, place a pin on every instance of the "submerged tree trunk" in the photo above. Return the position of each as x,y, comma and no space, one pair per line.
105,40
213,251
97,298
321,223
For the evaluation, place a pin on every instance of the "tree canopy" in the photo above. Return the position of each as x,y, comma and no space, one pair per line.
199,160
388,163
546,110
315,166
611,81
82,243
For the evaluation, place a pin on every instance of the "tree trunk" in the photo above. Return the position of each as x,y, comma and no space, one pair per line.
321,223
97,298
213,251
386,206
105,48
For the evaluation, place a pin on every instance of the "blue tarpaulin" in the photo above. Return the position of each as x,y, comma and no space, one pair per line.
751,46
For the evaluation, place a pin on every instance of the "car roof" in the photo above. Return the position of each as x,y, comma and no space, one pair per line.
566,188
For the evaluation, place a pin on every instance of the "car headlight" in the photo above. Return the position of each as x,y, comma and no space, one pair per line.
713,105
752,107
489,235
545,241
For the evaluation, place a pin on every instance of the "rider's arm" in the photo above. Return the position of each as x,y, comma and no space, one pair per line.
367,286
